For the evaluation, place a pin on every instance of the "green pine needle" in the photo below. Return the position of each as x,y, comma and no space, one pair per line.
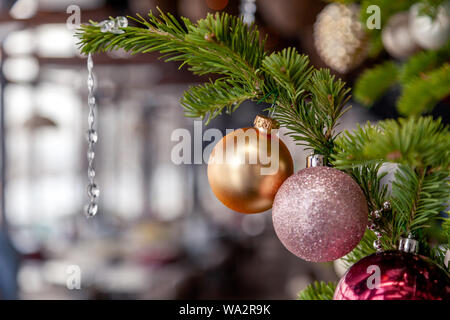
420,190
421,94
209,100
424,62
373,83
291,72
418,198
318,290
418,143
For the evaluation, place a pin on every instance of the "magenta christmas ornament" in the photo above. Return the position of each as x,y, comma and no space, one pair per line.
394,275
320,214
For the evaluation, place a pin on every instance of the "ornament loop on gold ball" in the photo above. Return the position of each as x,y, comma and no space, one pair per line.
265,124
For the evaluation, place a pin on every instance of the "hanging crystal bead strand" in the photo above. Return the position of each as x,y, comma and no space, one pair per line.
374,216
92,189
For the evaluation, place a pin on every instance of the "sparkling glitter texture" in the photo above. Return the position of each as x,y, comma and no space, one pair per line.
320,214
402,276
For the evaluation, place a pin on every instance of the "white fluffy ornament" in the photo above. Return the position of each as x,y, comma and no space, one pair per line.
429,33
339,37
397,38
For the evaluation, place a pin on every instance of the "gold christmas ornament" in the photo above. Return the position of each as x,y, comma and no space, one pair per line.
248,165
340,38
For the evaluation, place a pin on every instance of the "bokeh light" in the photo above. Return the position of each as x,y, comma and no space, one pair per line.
217,4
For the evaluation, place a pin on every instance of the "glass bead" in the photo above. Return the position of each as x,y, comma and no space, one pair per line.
91,119
377,244
107,25
90,155
91,173
93,191
90,81
91,100
249,8
376,214
121,22
91,209
387,205
92,136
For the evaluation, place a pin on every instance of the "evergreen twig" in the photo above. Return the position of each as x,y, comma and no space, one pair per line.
420,190
318,291
421,94
309,102
373,83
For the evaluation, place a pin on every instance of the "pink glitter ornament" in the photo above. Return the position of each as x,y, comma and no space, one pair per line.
401,276
320,214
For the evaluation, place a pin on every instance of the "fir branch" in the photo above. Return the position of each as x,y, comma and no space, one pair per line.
350,148
421,94
220,44
373,83
446,228
291,73
368,178
313,122
303,126
438,254
420,190
424,62
418,143
228,41
424,78
225,45
318,290
418,198
209,100
329,97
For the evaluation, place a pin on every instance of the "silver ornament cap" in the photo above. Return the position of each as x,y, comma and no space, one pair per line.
315,160
408,244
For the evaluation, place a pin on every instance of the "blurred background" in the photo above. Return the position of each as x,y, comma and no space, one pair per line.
160,233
